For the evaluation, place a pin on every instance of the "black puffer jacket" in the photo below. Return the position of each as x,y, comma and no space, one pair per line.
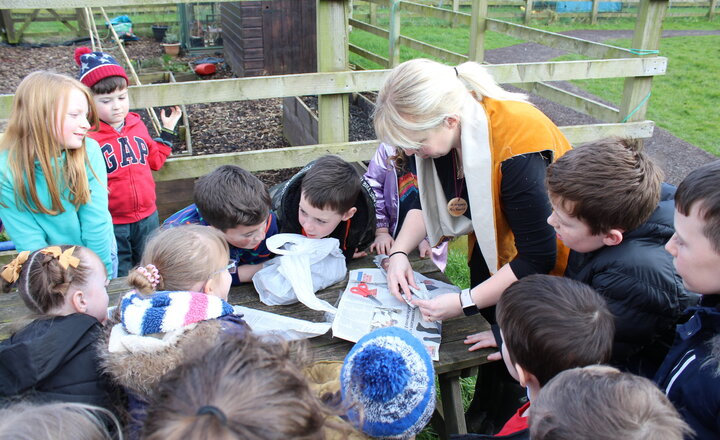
286,199
55,359
641,287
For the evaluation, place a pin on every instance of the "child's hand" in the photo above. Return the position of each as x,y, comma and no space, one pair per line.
424,249
484,339
171,121
359,254
383,242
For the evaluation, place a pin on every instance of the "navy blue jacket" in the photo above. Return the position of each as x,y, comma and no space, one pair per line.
641,286
690,374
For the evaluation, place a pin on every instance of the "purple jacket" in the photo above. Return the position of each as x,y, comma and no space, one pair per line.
383,179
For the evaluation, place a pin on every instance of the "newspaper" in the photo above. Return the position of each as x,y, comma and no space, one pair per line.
367,304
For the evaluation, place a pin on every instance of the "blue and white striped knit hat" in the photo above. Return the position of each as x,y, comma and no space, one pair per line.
390,375
164,311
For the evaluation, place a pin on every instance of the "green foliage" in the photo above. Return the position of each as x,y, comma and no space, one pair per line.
172,64
171,36
4,236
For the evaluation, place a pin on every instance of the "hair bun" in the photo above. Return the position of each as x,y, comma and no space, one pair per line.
80,51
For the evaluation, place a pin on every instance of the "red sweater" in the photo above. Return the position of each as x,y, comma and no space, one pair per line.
517,422
130,155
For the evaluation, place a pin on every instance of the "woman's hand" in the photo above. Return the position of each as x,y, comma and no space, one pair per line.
440,308
484,339
424,249
400,276
383,242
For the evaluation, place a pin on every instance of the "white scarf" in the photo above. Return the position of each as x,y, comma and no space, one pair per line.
478,170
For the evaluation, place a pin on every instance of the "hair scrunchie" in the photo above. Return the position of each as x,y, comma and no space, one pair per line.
213,410
151,273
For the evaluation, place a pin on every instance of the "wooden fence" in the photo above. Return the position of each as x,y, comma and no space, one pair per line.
334,83
17,22
637,87
526,8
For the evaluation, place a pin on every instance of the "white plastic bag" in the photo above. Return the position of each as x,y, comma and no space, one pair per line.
303,266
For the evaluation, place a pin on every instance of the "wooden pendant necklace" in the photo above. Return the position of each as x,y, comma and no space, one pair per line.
457,206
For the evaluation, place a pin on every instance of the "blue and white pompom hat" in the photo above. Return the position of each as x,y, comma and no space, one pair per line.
388,377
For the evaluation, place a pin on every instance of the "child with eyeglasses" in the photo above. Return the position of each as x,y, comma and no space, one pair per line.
177,306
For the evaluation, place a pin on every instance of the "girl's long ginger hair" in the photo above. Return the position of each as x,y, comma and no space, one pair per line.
33,135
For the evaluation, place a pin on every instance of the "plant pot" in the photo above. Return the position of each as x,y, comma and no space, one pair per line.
172,48
159,32
196,41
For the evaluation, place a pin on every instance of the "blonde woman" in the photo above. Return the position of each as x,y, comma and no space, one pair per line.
53,182
481,154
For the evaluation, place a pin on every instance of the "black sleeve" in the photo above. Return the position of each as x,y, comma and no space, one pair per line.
526,207
167,137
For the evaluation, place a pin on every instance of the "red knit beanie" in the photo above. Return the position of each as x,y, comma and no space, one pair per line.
95,66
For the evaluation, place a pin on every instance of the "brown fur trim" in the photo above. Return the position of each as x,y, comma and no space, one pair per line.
139,373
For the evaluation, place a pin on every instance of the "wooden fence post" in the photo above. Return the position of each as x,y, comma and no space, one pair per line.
394,35
528,11
332,56
594,12
478,24
81,22
373,14
646,41
456,9
713,6
9,26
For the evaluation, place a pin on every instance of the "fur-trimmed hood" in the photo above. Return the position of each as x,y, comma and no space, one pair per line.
139,371
149,336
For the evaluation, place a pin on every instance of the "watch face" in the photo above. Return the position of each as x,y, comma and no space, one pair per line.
466,299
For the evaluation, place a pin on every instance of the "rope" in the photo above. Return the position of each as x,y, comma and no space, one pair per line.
644,51
625,119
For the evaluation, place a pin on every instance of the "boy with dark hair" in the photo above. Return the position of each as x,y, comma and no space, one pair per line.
328,198
690,374
612,210
548,324
236,203
130,153
600,402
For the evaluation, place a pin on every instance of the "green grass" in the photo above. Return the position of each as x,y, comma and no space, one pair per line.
458,272
684,101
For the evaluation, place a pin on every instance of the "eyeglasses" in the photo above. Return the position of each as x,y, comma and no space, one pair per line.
231,267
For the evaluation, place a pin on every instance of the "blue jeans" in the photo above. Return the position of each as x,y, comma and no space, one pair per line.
131,238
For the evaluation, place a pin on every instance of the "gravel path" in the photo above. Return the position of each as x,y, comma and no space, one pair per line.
674,155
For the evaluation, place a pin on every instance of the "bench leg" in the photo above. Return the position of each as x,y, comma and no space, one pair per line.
452,406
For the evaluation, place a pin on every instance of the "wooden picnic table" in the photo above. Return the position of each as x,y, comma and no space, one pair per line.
455,360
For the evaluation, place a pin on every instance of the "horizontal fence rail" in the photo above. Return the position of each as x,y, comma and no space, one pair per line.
279,158
332,83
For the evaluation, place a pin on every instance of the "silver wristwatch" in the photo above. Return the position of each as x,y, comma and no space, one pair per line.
468,305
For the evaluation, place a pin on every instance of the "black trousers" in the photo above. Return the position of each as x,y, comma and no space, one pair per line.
497,394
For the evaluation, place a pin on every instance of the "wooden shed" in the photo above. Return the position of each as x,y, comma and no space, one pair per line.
270,37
